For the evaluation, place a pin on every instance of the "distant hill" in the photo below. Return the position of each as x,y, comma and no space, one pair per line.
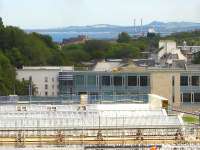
106,31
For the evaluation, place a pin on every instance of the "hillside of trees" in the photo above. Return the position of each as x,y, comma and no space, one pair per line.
18,48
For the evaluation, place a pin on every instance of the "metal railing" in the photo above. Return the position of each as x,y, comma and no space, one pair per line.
74,99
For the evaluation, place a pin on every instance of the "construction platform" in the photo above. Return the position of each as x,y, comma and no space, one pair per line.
92,124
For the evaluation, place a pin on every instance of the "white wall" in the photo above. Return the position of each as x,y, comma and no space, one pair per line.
167,45
155,101
38,78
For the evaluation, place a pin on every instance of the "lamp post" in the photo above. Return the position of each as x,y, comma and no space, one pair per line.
30,91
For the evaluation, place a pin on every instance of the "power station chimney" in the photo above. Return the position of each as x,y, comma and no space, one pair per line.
141,29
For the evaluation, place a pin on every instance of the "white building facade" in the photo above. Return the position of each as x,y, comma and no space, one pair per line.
45,79
169,47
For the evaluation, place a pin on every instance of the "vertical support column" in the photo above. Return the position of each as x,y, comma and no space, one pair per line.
123,131
99,133
39,133
139,135
19,139
192,97
179,136
60,137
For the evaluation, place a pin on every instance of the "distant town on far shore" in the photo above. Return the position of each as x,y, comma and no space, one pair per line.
106,31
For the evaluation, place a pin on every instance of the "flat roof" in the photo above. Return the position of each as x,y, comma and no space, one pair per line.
68,68
117,67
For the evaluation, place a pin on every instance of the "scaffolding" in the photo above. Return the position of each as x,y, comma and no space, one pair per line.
97,125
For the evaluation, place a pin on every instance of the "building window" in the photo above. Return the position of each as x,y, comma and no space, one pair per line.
106,80
195,80
52,86
184,80
187,97
52,79
46,86
52,93
143,81
46,93
46,79
196,97
91,80
79,80
117,81
132,80
70,83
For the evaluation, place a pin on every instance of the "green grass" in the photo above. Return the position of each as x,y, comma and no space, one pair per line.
190,119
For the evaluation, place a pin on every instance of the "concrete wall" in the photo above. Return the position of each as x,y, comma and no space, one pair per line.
161,84
169,46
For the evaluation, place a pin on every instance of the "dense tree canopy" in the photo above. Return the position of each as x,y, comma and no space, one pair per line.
124,38
7,75
17,49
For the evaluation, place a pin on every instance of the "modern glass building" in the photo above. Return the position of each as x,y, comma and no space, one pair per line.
190,87
103,83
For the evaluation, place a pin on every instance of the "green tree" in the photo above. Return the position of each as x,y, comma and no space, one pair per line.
7,75
75,54
97,48
123,50
57,58
22,88
46,39
197,58
123,38
15,57
1,23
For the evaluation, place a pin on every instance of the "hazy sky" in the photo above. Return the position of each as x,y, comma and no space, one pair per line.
60,13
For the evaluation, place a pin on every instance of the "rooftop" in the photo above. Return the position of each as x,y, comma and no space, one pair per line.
69,116
67,68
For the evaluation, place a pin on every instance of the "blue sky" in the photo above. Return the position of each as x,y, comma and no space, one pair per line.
61,13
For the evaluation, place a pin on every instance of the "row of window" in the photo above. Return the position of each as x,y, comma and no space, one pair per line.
47,94
190,97
190,80
46,86
113,80
46,79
